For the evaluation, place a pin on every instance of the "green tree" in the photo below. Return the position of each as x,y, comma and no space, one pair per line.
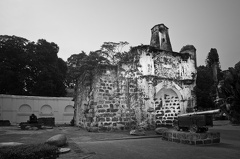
82,65
112,51
75,68
204,85
50,71
30,68
212,62
12,64
207,79
229,93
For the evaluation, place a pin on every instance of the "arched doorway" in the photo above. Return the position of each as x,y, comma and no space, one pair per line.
167,106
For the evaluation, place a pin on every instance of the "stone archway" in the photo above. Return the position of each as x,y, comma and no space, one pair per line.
167,106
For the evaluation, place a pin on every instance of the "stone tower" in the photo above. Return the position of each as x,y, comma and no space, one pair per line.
160,37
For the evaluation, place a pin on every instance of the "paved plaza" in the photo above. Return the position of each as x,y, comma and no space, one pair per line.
120,145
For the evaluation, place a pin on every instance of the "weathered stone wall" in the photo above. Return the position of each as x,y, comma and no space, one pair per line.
112,101
151,90
109,102
172,66
167,107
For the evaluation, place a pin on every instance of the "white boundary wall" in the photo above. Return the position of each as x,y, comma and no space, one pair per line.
17,109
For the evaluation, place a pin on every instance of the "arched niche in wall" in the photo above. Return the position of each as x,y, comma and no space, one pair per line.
25,110
169,98
167,105
46,110
69,110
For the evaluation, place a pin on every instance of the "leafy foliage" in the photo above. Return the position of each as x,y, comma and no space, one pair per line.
31,151
12,63
229,93
204,88
212,57
212,61
29,68
84,66
74,63
112,51
206,83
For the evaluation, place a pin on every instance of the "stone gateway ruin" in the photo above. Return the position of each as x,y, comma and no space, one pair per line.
149,89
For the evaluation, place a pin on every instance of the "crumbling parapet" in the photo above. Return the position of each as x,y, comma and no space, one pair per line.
191,50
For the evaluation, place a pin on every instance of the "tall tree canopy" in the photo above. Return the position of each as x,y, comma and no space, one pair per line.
212,61
207,79
112,51
212,57
29,68
12,64
229,93
83,65
204,88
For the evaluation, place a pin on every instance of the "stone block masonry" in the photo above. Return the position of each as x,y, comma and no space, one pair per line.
166,113
149,88
110,103
191,138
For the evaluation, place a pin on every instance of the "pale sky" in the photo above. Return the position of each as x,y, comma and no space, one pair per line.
83,25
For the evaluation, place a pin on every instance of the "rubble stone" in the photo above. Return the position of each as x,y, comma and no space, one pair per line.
57,140
137,132
160,130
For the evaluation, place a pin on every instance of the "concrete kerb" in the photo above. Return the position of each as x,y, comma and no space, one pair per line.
76,151
128,138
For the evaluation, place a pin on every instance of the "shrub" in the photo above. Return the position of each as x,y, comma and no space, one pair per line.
5,123
72,123
30,151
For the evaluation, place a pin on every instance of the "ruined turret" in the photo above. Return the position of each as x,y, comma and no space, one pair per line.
191,50
160,38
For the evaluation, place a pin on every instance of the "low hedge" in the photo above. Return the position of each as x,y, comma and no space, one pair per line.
30,151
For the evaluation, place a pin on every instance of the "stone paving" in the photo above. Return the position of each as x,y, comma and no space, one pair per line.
76,136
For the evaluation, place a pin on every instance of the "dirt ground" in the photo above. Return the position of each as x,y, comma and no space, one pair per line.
77,135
